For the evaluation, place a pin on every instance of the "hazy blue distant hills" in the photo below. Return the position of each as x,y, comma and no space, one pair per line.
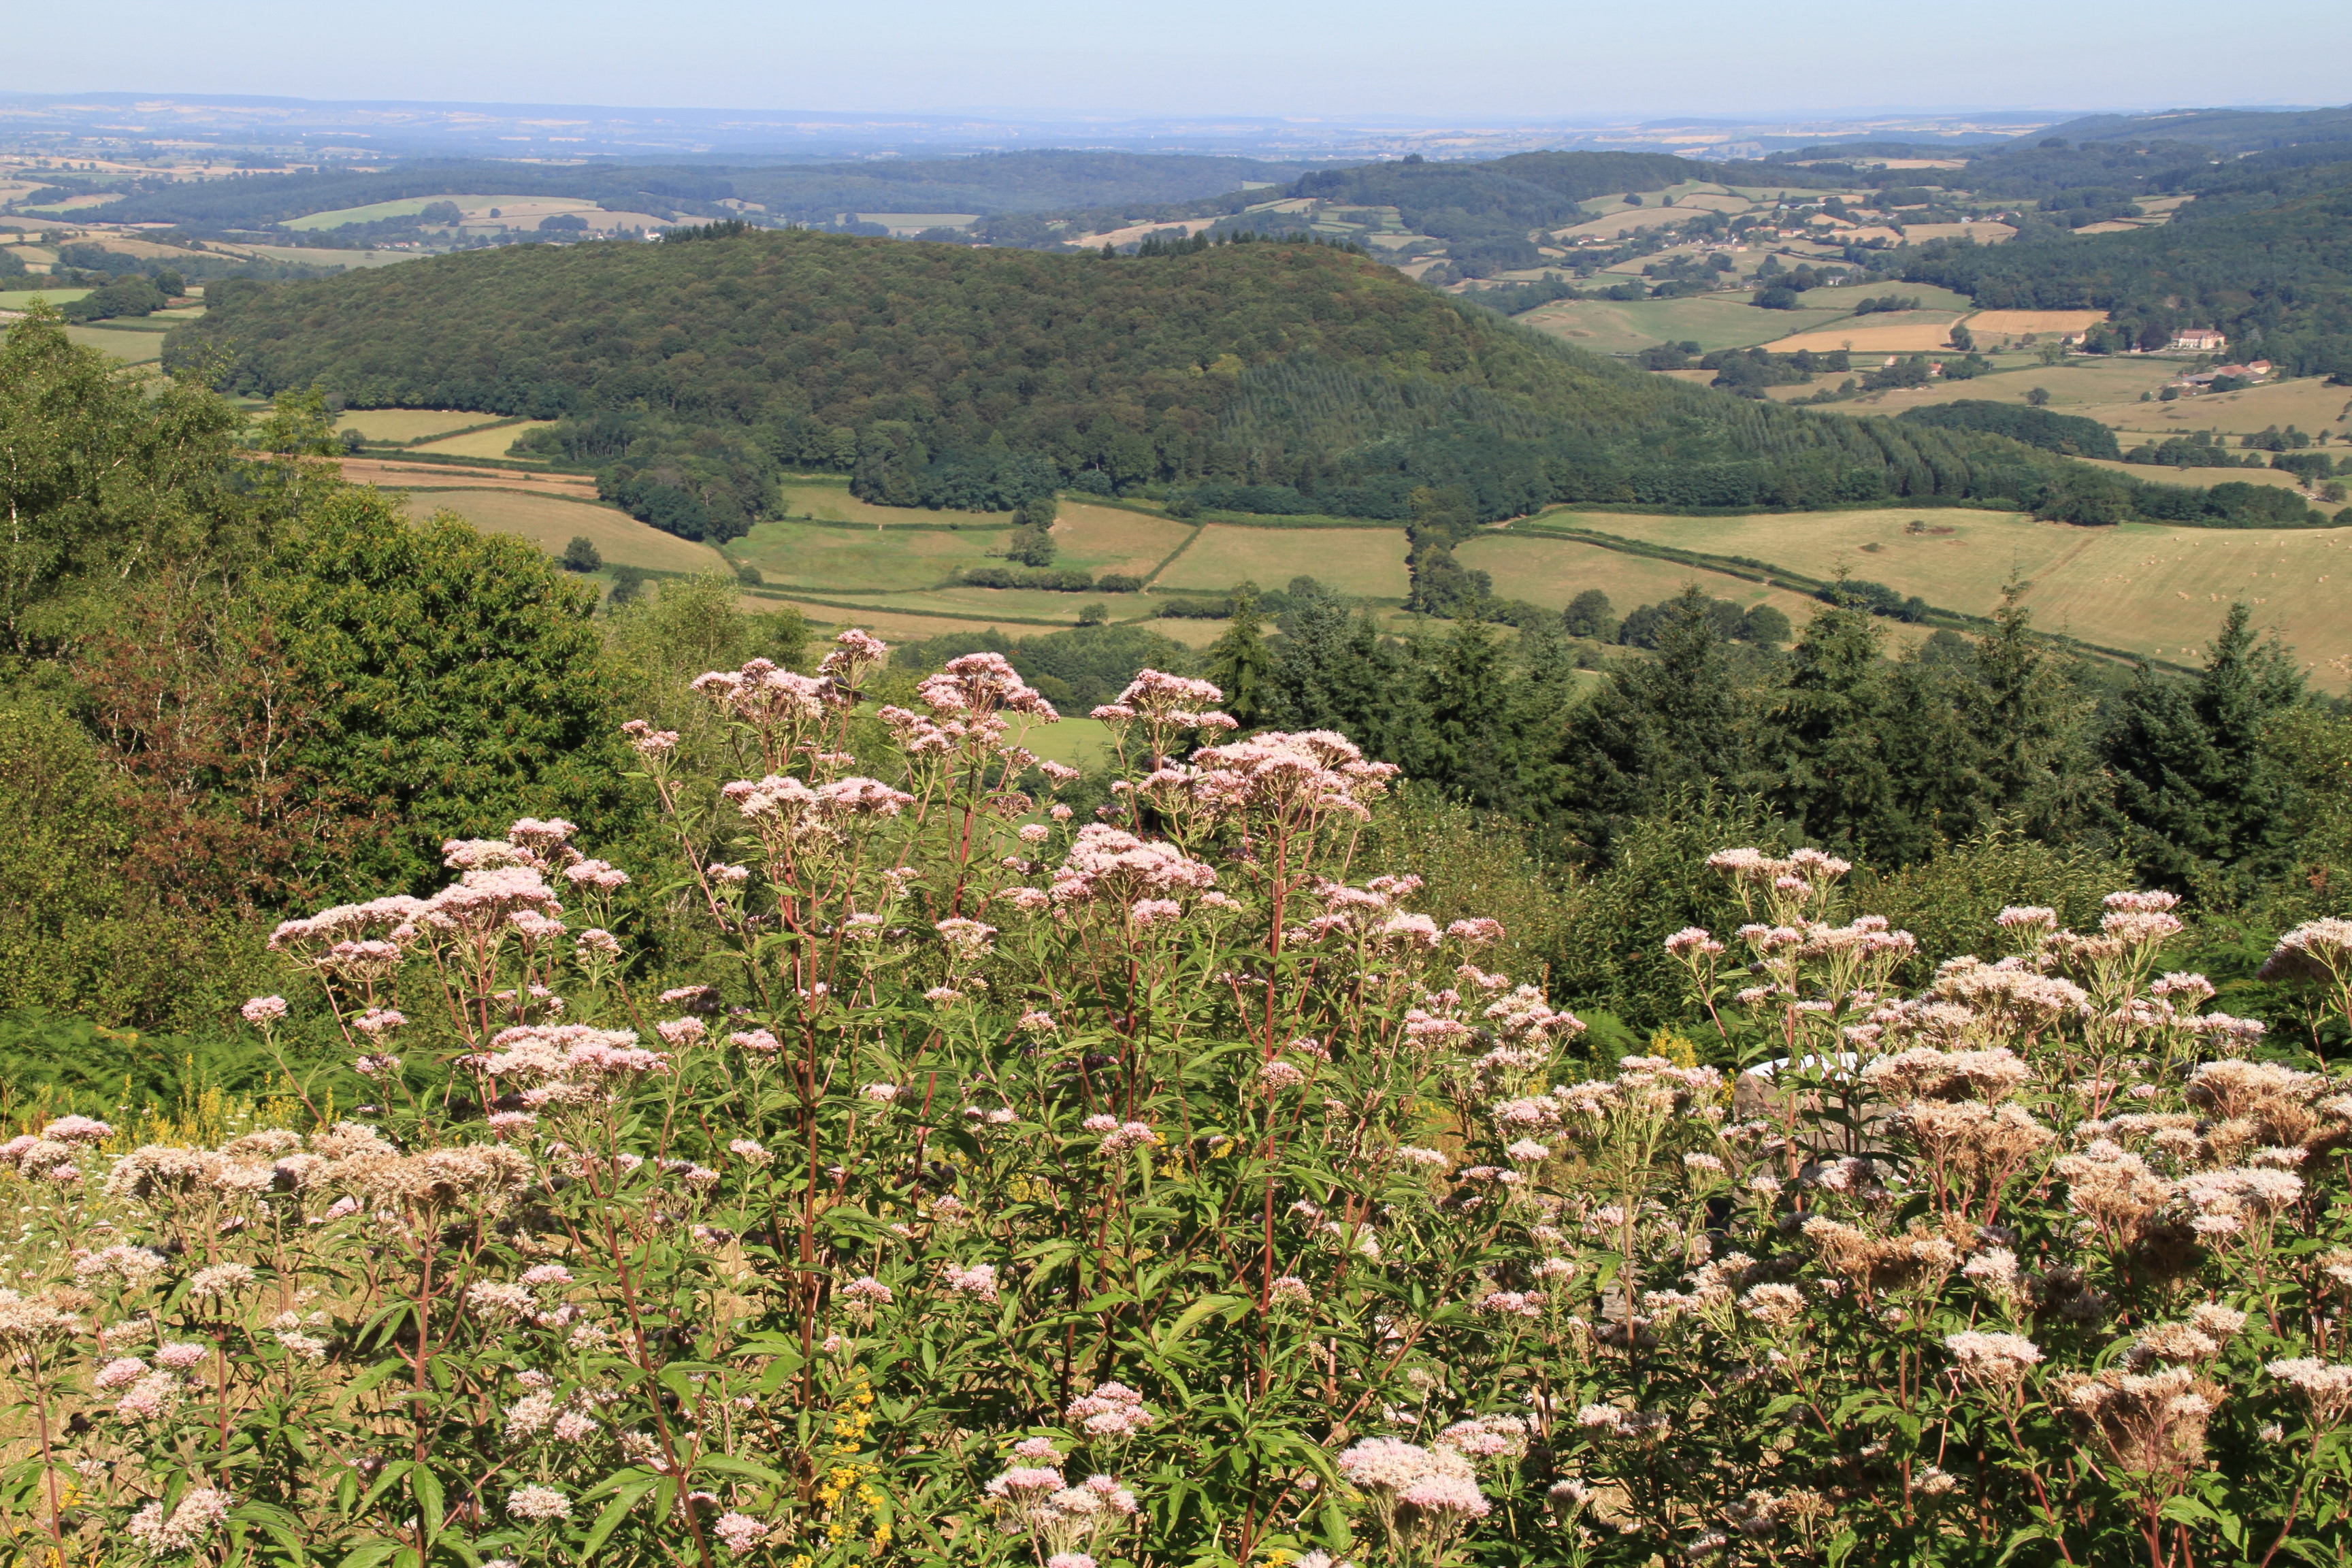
986,183
2220,130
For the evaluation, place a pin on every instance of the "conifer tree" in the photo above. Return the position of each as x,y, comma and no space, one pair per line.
1333,671
2203,793
1674,719
1823,734
1241,664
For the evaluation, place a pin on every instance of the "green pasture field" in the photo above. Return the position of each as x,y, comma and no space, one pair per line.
795,554
1367,562
408,424
1842,297
891,625
18,299
131,347
490,443
832,502
1075,742
1711,321
2143,587
551,523
1028,604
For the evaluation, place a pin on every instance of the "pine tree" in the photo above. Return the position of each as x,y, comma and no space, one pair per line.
2034,732
1467,737
1333,671
1241,664
1823,735
2201,793
1676,719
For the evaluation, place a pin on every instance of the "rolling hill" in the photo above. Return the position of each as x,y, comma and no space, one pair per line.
947,375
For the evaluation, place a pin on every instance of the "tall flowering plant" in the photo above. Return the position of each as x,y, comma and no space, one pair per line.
1016,1188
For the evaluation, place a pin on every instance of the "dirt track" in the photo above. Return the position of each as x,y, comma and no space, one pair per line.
433,476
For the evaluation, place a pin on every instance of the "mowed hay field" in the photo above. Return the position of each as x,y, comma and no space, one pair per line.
551,523
1889,332
1551,572
1100,539
490,443
1364,562
2161,475
408,424
1988,325
2074,388
2141,587
2310,405
1711,321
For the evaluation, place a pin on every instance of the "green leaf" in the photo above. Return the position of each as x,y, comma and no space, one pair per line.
609,1520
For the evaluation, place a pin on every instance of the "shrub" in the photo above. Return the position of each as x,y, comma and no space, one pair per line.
990,1149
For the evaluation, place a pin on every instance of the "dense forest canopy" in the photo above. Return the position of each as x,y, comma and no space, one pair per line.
941,374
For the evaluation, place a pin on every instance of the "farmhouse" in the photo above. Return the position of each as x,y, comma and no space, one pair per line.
2200,340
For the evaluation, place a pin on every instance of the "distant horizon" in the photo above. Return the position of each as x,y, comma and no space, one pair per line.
1013,114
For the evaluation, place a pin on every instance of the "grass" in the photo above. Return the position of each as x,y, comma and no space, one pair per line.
1076,742
130,347
511,207
2310,405
2073,387
1991,324
491,443
1365,561
408,424
1552,572
1891,331
1843,296
17,299
891,625
2143,587
794,554
1101,539
1711,321
834,503
2202,476
551,523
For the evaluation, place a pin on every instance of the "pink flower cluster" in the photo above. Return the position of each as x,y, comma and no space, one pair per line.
1113,1411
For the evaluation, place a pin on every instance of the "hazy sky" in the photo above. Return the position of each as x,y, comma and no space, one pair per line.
1488,59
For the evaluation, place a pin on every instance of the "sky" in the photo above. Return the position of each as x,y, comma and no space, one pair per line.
1568,59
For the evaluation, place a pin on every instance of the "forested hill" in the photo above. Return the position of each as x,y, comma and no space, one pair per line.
955,376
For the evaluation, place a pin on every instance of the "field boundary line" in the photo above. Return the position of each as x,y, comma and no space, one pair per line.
1814,587
1186,544
899,610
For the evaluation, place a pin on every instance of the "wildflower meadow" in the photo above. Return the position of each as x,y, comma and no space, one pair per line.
1014,1184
